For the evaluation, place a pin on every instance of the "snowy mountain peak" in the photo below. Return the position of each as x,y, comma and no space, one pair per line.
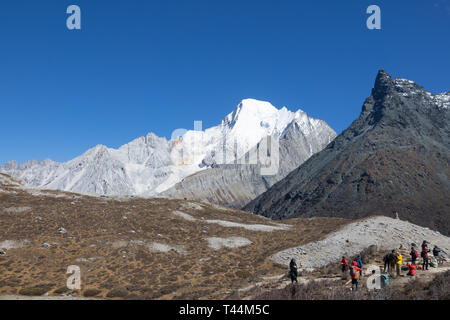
97,151
249,109
150,164
255,118
256,106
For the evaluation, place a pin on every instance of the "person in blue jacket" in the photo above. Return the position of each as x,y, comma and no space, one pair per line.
360,264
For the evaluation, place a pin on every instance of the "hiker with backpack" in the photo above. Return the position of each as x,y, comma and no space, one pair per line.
344,264
425,257
414,255
424,245
389,260
293,273
437,253
354,274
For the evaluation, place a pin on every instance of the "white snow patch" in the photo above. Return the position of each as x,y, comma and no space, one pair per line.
38,193
86,260
16,209
232,242
120,244
13,244
162,247
251,227
230,224
191,205
184,216
154,246
443,100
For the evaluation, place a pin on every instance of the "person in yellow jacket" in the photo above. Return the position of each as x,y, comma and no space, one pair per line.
398,266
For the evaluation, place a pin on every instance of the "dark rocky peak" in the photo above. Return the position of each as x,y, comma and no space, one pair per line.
393,158
384,85
398,102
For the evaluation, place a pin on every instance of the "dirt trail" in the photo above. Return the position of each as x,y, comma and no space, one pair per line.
422,275
281,281
276,282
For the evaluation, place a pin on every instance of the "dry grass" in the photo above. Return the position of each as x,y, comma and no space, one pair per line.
112,251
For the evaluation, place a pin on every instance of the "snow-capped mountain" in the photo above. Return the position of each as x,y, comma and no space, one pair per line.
150,165
235,185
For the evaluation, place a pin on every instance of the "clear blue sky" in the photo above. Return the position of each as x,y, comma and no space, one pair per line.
152,66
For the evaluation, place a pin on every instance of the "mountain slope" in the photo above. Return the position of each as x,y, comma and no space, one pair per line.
393,158
150,165
152,248
7,180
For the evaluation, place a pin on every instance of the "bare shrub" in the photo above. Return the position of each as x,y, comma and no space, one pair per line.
61,290
118,292
369,253
439,288
38,290
91,292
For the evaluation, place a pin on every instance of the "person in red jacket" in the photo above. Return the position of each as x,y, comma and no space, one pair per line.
412,269
344,264
355,275
425,257
414,255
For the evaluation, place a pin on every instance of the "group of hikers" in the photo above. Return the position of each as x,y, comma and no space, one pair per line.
392,261
438,256
356,270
